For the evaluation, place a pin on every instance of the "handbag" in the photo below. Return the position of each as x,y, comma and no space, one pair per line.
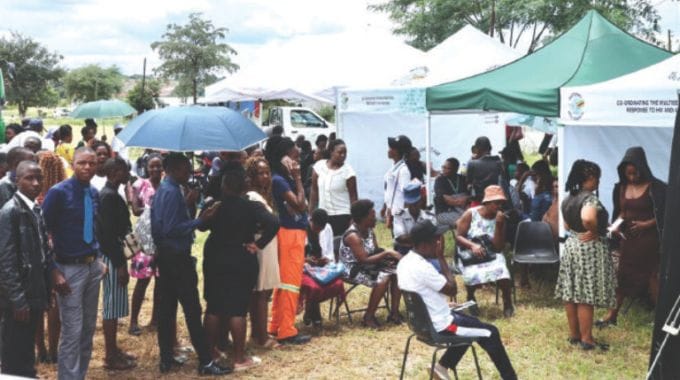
326,274
469,258
130,245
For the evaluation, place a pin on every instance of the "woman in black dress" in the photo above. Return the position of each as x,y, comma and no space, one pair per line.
230,263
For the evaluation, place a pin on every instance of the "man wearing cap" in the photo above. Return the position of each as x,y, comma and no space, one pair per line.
484,170
396,178
407,218
416,274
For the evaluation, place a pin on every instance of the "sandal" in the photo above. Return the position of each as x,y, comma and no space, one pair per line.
270,344
573,341
126,355
118,364
250,362
135,331
591,346
396,319
604,323
370,322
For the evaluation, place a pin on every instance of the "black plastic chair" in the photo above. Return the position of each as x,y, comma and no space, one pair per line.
420,323
534,244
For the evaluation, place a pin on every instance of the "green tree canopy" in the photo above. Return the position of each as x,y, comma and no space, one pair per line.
93,82
193,53
36,74
146,100
426,23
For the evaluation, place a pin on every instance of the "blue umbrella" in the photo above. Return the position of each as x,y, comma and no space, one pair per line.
185,129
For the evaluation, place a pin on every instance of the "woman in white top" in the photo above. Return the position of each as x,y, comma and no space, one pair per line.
334,187
260,181
396,178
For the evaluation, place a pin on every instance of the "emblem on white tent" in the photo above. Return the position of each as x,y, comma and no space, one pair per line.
576,106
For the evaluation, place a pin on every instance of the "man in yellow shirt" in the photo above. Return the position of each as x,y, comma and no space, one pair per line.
65,148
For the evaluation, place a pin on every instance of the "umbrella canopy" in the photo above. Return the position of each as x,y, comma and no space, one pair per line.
593,50
184,129
102,109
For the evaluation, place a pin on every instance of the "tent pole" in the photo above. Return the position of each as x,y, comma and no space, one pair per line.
428,157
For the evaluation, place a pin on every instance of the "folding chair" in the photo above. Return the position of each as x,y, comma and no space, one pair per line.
420,323
339,303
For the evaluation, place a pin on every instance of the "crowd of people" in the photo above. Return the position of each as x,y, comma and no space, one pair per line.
285,222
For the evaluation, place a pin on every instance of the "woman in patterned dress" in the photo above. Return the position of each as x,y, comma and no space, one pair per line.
586,277
487,221
369,265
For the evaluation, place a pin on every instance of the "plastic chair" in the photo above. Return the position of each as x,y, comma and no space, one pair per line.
534,244
420,323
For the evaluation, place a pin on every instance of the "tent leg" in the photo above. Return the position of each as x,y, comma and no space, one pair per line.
428,157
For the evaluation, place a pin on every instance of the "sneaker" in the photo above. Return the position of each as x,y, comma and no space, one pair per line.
167,366
297,339
441,372
214,369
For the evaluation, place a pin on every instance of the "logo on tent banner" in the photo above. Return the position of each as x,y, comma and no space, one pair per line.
576,106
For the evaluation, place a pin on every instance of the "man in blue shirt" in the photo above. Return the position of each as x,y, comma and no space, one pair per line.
173,232
70,208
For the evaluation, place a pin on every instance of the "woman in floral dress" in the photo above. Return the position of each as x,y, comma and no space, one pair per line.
586,277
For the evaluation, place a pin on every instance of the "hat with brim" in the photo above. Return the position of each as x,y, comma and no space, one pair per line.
412,193
493,193
425,231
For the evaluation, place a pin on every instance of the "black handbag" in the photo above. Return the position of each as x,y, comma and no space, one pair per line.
469,258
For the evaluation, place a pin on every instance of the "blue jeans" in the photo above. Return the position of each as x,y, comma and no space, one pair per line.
492,345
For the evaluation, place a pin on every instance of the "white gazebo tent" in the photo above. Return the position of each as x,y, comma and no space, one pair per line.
602,120
367,116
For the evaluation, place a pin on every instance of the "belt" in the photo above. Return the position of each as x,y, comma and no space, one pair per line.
85,259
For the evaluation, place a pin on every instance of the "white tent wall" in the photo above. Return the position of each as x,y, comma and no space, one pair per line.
606,147
452,135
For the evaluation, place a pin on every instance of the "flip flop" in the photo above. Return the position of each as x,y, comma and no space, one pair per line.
250,362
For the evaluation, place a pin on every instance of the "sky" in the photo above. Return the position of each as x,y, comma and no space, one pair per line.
120,32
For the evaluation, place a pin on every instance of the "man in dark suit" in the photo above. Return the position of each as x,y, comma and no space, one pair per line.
24,262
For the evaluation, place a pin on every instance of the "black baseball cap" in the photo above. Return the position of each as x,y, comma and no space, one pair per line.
400,143
425,231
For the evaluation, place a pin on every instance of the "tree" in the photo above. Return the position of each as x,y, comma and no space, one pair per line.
193,52
37,71
185,87
93,82
147,100
428,22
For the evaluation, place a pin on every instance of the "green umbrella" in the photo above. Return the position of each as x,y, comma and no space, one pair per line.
102,109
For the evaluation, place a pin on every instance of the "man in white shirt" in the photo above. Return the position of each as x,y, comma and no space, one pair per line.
416,274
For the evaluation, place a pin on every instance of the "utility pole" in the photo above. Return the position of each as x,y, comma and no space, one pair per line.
492,21
143,78
670,44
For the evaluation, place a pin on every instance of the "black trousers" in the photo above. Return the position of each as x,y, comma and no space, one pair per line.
178,281
18,338
492,345
339,223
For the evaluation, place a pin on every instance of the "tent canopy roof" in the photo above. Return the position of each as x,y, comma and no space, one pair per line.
593,50
464,53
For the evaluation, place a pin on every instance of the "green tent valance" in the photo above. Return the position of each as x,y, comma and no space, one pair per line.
593,50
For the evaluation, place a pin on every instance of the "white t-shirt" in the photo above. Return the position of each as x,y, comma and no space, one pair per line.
395,180
98,182
416,274
404,221
333,192
326,243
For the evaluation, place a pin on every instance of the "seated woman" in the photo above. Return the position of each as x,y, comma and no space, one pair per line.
479,224
319,253
369,265
230,265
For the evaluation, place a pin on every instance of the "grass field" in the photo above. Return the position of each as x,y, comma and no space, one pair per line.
535,339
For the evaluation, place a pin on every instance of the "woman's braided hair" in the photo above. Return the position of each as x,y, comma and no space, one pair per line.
580,171
52,170
251,174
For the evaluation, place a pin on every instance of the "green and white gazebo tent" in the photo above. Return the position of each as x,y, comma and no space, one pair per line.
593,50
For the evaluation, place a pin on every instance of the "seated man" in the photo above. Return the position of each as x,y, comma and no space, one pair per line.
415,274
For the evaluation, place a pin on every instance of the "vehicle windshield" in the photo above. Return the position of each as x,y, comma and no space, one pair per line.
305,119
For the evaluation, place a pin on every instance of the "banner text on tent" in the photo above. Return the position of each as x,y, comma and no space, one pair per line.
649,105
